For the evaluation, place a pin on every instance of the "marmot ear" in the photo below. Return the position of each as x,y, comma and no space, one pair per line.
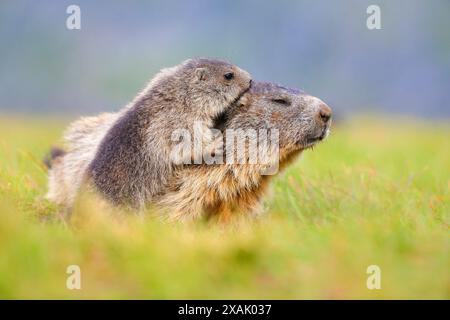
200,74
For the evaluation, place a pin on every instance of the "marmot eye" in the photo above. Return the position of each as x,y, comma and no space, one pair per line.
281,101
228,75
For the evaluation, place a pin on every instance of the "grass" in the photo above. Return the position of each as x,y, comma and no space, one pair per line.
375,193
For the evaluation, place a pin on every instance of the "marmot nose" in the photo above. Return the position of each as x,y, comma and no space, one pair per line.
324,113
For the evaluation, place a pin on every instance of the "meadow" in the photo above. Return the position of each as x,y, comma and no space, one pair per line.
377,192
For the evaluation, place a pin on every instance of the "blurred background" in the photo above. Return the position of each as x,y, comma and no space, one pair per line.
323,47
376,193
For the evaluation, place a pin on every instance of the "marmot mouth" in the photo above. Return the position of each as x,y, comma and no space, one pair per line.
309,142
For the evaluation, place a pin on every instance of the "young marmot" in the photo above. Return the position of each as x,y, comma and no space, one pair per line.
126,156
222,189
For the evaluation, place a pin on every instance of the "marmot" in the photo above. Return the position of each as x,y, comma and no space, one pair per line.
129,161
219,190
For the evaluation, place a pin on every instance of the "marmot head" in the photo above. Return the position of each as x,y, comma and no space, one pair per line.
301,119
214,85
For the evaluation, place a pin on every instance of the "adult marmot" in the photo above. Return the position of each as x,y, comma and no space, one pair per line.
129,161
221,189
